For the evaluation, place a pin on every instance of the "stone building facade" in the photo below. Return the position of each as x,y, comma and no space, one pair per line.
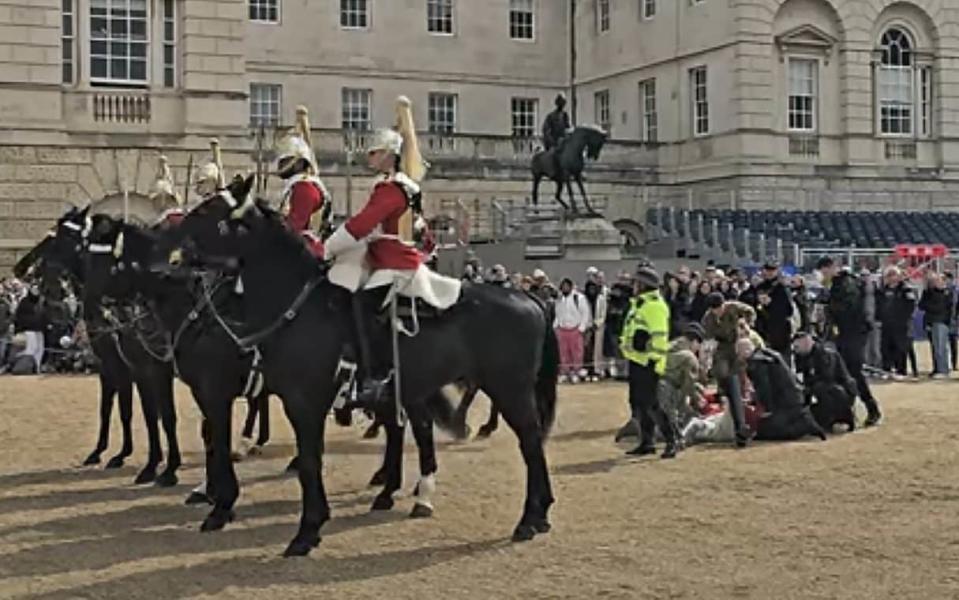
808,103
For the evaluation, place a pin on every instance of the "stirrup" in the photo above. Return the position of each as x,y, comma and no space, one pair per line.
371,392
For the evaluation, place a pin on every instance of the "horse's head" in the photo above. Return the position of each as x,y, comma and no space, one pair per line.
107,263
215,231
595,138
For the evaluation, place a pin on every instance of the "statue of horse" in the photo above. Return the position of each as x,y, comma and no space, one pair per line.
565,163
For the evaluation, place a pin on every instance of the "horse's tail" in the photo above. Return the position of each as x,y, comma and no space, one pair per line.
547,379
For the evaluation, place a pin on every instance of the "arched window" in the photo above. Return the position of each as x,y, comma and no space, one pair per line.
904,88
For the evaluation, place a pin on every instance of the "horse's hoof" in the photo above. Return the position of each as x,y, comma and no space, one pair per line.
542,526
462,433
523,533
421,511
166,479
294,465
217,520
382,502
300,547
196,498
484,432
93,459
115,463
145,476
378,478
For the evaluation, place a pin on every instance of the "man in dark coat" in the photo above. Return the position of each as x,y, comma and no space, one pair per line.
786,415
846,314
773,311
829,389
895,304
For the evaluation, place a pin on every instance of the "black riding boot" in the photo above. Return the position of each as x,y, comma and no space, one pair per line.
371,388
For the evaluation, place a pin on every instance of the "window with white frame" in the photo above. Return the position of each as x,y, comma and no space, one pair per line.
649,123
521,20
803,87
649,8
265,11
699,100
357,109
354,14
601,108
602,15
896,93
169,43
265,104
524,117
439,16
442,113
925,101
119,42
903,87
68,38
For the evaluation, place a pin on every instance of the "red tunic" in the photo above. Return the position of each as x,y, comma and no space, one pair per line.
172,217
386,205
305,199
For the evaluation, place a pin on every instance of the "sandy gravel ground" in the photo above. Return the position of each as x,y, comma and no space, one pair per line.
868,515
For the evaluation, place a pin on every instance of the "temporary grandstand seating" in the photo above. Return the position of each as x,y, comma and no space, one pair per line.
754,235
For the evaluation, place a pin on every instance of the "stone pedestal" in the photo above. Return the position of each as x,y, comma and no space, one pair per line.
592,238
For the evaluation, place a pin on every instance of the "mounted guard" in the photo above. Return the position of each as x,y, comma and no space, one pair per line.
303,193
374,249
165,198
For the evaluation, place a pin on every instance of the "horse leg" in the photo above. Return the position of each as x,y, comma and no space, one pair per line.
572,197
263,413
536,180
107,391
148,403
458,420
515,400
307,418
125,401
491,424
392,468
251,414
204,492
167,409
582,190
422,426
220,473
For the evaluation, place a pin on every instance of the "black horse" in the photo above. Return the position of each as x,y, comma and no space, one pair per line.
494,337
59,257
569,164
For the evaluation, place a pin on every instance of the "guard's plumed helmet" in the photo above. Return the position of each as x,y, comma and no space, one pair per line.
402,141
209,177
164,193
296,144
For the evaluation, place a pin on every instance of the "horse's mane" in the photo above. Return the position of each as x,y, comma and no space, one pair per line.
275,226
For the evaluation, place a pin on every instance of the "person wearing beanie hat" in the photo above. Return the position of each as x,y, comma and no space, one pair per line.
572,318
645,344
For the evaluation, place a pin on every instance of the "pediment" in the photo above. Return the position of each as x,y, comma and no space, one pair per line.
806,38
